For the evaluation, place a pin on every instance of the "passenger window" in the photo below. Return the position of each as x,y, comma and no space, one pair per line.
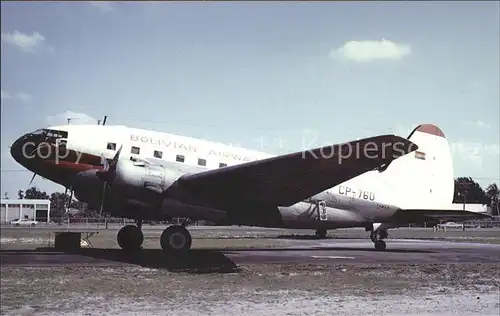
135,150
158,154
222,165
179,158
111,146
202,162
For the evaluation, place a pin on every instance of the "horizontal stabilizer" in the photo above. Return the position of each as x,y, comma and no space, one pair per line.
433,215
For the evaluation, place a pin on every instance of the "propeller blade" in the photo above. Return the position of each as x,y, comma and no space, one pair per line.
32,178
107,174
104,162
114,162
102,202
70,200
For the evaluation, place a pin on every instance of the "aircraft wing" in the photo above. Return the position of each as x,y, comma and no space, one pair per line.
430,215
287,179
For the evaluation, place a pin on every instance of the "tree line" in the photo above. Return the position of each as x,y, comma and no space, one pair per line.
58,202
466,189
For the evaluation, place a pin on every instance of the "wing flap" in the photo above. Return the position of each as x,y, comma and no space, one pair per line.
288,179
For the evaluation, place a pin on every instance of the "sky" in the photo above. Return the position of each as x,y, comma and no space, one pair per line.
266,76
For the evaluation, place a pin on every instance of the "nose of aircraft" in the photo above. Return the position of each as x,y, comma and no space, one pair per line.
22,148
16,149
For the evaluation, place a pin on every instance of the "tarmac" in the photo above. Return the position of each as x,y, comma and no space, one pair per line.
324,251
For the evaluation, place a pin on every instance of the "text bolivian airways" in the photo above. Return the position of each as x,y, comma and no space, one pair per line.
186,147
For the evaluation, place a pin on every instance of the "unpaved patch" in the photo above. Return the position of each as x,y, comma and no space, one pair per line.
256,290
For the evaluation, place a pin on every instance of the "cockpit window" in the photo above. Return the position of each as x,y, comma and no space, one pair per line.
50,133
57,134
39,132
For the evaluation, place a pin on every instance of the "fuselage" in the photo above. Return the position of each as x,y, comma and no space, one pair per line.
372,197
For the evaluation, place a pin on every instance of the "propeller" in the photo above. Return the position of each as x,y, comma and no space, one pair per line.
68,204
107,174
32,178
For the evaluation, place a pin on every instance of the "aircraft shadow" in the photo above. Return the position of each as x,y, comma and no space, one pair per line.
195,261
313,248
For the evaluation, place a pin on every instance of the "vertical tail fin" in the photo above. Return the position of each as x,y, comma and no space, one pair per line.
424,178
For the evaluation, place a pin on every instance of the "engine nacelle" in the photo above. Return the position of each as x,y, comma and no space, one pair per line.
133,177
87,187
137,192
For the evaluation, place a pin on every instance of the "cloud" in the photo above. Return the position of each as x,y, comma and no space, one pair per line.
24,97
474,152
5,95
370,50
21,96
75,118
103,6
27,43
478,124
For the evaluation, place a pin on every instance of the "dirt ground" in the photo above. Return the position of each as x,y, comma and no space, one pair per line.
254,290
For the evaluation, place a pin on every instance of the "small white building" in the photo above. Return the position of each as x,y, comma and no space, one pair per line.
38,210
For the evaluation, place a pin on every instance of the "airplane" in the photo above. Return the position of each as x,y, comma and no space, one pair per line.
153,176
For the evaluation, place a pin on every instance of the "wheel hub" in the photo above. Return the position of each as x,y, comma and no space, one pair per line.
177,240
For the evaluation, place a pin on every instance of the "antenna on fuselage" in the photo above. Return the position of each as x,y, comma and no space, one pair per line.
103,121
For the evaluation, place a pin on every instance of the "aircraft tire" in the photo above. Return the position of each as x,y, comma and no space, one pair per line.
175,238
380,245
130,238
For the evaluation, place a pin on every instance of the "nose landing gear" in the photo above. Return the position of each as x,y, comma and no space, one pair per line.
377,237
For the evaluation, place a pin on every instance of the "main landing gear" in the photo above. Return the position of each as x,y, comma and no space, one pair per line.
175,238
377,237
130,238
